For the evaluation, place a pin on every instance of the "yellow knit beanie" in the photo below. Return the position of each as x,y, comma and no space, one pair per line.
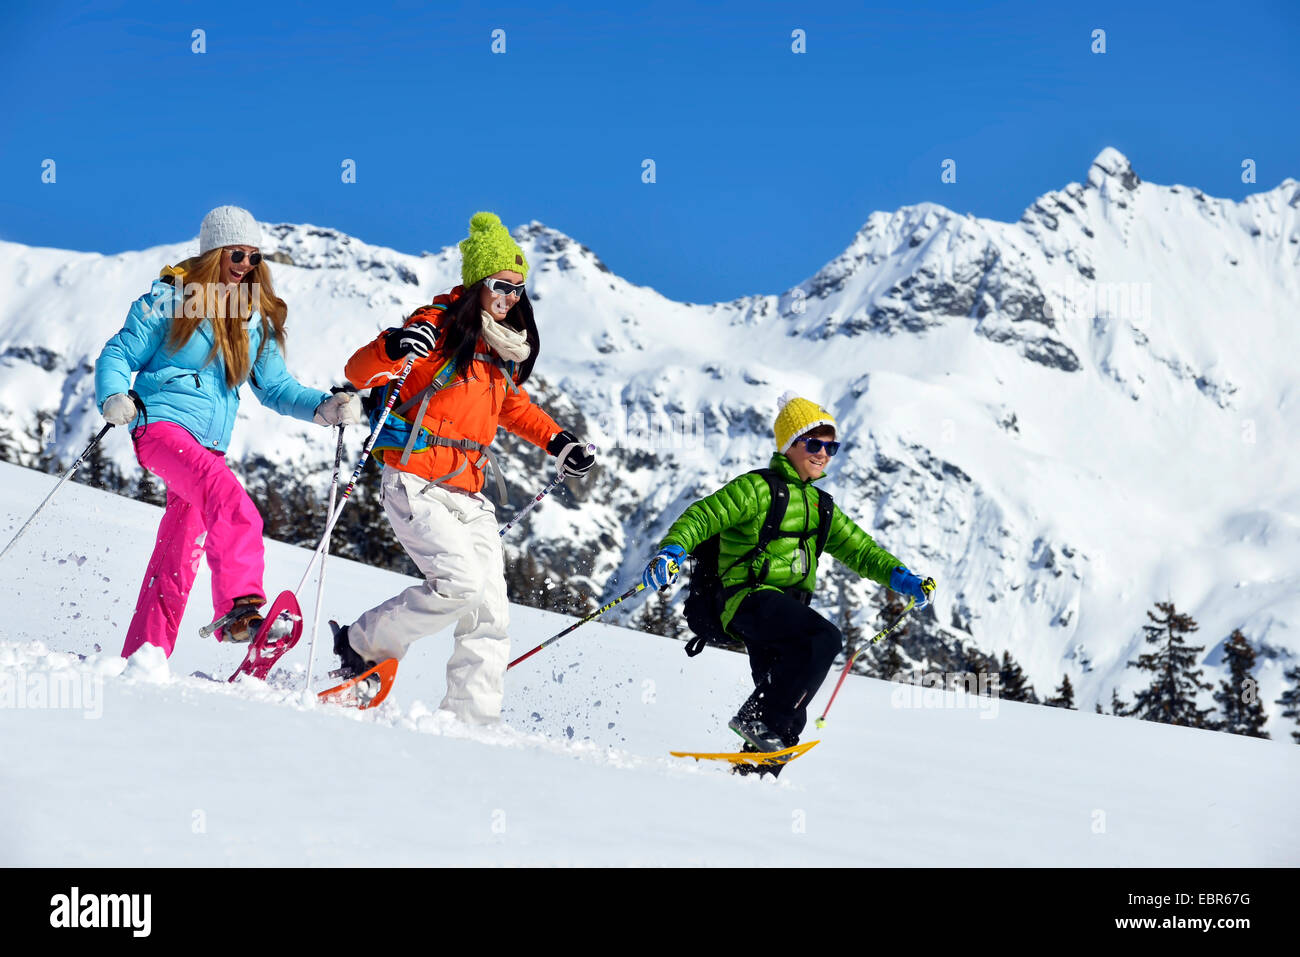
794,417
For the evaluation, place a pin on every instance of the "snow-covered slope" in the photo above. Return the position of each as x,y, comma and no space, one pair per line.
159,766
1063,420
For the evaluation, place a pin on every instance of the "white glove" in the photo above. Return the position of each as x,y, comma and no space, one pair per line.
342,408
119,409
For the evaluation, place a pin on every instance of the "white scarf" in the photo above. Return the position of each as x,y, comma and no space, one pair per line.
504,341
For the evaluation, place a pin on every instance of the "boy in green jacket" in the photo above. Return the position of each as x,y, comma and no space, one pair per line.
766,594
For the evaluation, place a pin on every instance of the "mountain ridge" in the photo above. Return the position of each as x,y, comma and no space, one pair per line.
1063,419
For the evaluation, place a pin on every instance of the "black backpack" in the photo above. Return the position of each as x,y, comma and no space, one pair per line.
706,595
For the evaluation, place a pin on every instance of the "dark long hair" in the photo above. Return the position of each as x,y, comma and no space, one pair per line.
464,325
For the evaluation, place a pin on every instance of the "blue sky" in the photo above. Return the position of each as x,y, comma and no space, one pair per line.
766,161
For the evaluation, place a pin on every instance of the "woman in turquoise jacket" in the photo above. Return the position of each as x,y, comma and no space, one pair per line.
205,328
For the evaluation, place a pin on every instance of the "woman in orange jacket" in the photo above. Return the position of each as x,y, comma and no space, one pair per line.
474,347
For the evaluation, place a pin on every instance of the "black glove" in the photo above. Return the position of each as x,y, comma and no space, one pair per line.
418,338
573,455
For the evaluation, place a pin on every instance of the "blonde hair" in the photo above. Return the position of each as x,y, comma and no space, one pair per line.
203,298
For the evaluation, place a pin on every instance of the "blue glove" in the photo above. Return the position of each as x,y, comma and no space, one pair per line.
657,573
913,586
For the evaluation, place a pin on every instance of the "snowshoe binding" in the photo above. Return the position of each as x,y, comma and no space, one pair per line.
240,624
756,734
352,665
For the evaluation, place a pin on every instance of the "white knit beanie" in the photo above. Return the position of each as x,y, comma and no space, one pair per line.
228,226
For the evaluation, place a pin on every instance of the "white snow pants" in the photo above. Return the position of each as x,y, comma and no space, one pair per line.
452,537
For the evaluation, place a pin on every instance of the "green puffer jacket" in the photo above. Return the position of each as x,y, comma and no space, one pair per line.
735,513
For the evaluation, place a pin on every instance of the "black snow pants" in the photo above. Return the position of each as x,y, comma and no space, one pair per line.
791,649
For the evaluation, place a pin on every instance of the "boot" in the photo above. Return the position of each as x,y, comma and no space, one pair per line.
248,622
756,733
753,706
352,664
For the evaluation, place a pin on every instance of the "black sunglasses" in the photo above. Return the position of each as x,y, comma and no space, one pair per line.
237,256
503,288
816,445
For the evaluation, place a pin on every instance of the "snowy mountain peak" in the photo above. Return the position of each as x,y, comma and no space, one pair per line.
317,247
552,246
1112,164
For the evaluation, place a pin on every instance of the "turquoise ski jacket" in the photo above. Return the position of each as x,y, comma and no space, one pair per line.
184,386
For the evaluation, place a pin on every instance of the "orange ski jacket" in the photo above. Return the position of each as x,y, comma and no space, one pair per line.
471,406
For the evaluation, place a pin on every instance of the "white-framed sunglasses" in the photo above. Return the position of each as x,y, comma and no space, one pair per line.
503,288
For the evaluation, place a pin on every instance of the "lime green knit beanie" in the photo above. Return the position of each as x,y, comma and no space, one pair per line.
489,249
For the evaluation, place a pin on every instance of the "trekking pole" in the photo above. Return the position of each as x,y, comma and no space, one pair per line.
672,567
66,475
554,484
356,473
320,582
928,586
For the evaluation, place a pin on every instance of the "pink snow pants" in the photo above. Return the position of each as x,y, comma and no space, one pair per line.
207,509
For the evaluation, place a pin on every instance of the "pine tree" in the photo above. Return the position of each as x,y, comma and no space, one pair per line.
890,664
1117,705
886,661
270,504
9,448
1064,697
99,472
531,583
1171,697
850,617
894,606
1290,700
530,575
514,580
1238,695
970,660
1013,684
646,618
673,624
657,617
569,599
146,489
41,433
643,620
